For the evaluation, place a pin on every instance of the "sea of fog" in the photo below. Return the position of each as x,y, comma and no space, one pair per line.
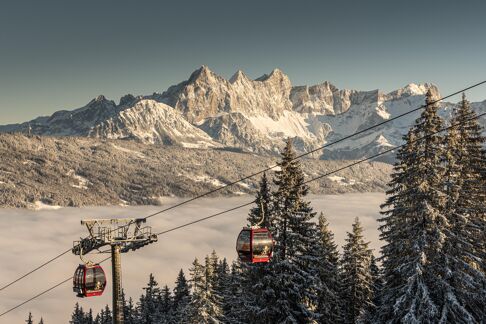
30,237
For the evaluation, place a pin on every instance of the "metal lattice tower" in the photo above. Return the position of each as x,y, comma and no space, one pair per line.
122,235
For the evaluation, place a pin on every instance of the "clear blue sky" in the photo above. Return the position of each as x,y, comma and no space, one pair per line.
59,54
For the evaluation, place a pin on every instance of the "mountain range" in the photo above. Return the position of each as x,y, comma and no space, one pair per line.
257,116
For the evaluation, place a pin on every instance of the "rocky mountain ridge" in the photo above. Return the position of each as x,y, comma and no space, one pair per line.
256,116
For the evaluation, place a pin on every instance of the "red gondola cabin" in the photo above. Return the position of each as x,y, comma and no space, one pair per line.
89,280
254,245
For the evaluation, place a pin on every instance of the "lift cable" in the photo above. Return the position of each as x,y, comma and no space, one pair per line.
43,292
253,201
260,172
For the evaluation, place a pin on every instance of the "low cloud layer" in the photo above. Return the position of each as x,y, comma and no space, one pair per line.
28,238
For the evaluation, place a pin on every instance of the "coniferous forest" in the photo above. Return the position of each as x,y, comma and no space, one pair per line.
431,268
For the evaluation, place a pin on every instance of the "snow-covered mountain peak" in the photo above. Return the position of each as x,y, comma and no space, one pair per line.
208,110
275,75
239,76
413,89
205,75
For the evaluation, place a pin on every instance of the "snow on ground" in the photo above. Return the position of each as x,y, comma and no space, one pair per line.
29,238
342,180
199,144
382,141
82,181
39,205
123,149
205,178
289,124
243,185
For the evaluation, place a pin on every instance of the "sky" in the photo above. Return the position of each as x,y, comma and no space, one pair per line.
60,54
31,237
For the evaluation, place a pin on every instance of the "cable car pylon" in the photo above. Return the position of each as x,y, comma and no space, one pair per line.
122,235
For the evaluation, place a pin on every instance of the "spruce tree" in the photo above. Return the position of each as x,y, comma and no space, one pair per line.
356,278
290,293
78,316
181,298
235,297
465,284
213,296
41,321
202,308
414,226
130,312
221,284
166,303
329,304
377,290
149,303
89,317
104,317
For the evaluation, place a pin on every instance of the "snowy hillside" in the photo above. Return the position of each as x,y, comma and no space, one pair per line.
38,171
247,115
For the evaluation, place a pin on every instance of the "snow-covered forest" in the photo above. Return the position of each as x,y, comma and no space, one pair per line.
432,267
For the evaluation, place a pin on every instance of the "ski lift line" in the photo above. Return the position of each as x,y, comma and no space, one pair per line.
205,218
266,169
247,204
44,292
35,269
36,296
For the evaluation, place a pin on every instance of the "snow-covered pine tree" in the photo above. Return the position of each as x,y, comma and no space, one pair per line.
377,289
465,284
148,306
165,305
181,299
78,316
104,317
215,275
290,288
222,283
234,305
414,226
129,310
356,279
202,309
214,298
330,304
89,317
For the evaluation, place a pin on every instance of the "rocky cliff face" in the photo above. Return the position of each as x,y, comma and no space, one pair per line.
248,115
206,94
